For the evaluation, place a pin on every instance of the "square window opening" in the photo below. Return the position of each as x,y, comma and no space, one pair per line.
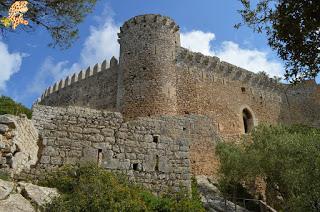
156,139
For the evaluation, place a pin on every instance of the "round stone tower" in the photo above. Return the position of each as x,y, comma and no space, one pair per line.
147,78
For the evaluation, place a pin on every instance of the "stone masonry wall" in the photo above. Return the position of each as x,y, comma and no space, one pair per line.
153,152
218,89
158,152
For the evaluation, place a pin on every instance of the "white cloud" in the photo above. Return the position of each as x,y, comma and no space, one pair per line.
101,44
51,72
10,63
250,59
198,41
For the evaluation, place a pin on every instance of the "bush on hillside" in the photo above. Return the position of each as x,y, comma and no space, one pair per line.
91,188
9,106
287,158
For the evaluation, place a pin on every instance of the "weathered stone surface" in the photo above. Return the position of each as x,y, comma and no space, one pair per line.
16,203
37,194
8,120
18,144
119,146
3,128
5,189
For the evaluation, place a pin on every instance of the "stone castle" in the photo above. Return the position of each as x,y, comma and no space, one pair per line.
157,114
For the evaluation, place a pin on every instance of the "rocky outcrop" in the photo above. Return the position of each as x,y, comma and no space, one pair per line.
24,197
37,194
16,203
18,143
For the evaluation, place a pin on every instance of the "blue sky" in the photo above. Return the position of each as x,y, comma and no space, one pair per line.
28,66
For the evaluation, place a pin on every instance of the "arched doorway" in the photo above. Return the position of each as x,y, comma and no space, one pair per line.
247,120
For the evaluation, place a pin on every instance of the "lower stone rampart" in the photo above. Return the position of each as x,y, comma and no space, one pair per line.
153,151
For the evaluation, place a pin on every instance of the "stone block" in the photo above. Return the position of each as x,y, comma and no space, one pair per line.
164,165
111,164
50,151
124,165
56,160
89,155
45,159
107,132
90,131
149,163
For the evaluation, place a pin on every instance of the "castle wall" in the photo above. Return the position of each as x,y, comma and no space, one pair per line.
72,135
95,88
304,103
220,90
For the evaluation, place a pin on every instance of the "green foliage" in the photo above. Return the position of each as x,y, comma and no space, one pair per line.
59,17
4,175
9,106
90,188
292,28
287,158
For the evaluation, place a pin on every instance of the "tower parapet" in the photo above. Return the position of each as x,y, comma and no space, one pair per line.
147,79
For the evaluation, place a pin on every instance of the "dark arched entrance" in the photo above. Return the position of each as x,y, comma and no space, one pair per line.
247,120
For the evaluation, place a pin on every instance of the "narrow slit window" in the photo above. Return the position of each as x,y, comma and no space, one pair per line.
156,168
99,160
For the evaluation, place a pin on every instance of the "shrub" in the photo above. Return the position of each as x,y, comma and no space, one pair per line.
287,158
91,188
9,106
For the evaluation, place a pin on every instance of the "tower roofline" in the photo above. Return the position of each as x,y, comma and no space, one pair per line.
150,19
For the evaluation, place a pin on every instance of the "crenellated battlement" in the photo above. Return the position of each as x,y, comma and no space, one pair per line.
79,76
226,70
151,21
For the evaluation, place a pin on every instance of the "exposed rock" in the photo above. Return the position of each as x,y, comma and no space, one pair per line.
24,197
5,189
8,120
18,144
37,194
16,203
3,128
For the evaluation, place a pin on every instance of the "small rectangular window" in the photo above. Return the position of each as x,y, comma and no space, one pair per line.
135,166
156,139
243,89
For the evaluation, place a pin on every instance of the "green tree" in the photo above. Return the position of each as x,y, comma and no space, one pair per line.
59,17
293,30
9,106
286,158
